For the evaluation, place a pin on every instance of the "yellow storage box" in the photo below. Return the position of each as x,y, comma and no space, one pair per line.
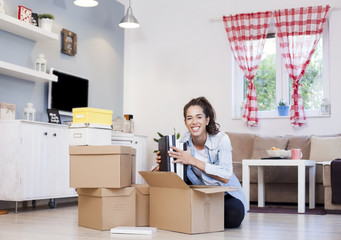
92,115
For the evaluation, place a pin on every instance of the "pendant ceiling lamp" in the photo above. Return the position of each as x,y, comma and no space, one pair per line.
129,21
86,3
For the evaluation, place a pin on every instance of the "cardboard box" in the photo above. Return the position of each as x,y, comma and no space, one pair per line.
7,111
105,208
176,206
92,115
90,136
142,205
101,166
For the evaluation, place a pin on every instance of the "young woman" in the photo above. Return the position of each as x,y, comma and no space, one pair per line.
209,157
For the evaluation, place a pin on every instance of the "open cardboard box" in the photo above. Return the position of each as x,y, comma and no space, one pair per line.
142,205
176,206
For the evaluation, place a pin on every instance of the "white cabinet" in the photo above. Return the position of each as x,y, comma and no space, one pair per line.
140,144
34,161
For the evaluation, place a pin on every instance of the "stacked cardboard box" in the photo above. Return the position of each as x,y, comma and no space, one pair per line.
102,176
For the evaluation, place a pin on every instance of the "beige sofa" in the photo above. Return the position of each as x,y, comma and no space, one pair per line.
281,182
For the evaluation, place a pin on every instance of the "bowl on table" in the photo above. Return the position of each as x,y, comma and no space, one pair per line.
279,153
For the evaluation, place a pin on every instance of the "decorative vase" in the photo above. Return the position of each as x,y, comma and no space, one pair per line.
46,24
283,110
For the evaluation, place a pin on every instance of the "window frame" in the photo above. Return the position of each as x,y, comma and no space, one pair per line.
282,85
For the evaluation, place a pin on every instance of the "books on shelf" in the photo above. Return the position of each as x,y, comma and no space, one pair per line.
166,161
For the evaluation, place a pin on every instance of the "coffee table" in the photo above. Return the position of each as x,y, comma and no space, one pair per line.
301,166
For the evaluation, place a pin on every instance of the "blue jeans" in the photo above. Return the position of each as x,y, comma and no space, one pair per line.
234,212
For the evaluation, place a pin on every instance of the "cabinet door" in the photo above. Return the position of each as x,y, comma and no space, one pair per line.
33,161
9,160
58,156
140,144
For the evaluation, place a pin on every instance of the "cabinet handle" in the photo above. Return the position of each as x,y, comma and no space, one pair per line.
45,133
55,134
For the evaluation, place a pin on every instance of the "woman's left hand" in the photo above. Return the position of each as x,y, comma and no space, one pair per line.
184,157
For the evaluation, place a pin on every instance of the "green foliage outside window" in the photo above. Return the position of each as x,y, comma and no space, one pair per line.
265,83
312,85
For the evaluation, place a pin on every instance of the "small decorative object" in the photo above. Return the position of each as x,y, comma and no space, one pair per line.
129,123
2,7
29,112
46,21
283,109
35,21
41,63
296,154
7,111
69,42
24,14
54,116
325,107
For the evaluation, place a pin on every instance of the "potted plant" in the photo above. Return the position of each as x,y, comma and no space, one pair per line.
46,21
283,108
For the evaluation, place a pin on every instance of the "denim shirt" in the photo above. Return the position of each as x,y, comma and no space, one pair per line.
220,163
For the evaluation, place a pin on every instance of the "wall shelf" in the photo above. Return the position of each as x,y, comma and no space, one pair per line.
26,30
16,71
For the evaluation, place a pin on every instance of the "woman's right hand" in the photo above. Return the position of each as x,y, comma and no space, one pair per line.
158,161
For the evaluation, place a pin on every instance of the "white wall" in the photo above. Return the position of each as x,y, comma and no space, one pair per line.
99,58
178,54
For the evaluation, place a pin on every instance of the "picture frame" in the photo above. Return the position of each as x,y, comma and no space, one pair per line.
69,42
35,21
53,115
24,14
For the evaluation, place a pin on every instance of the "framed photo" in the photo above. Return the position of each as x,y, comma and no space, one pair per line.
35,19
24,14
69,42
54,116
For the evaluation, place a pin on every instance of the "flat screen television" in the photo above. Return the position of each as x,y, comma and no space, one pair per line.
68,92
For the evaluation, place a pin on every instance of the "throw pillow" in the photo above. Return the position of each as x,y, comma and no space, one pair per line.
325,148
241,145
302,142
262,143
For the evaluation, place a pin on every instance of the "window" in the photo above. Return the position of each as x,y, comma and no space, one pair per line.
273,83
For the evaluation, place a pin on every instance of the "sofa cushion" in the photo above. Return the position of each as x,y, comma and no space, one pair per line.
301,142
325,148
263,143
242,144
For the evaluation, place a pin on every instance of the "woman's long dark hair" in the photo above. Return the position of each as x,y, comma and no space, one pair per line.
212,127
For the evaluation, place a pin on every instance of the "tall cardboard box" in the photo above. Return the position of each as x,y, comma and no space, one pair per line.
101,166
142,205
104,208
175,206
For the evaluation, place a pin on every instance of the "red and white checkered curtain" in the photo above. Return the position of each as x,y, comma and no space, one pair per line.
246,34
299,31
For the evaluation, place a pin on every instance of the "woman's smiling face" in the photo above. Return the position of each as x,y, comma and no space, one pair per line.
196,121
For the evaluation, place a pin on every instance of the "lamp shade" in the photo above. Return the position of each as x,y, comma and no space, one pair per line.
129,21
86,3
